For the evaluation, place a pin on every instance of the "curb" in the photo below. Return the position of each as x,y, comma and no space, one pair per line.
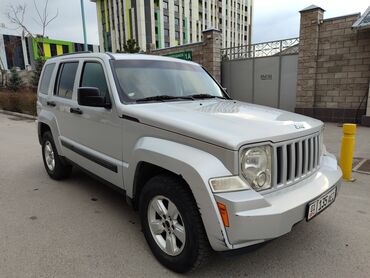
21,115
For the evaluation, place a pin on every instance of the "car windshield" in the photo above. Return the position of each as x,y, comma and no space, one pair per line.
153,80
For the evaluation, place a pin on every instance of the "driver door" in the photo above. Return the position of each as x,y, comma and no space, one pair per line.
96,138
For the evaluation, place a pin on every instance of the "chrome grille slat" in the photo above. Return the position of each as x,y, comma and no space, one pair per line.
299,159
292,162
285,162
305,157
296,159
311,154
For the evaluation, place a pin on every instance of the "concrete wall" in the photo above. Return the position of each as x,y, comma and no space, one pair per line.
333,67
270,80
206,53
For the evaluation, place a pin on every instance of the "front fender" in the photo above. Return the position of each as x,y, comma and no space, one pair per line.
196,167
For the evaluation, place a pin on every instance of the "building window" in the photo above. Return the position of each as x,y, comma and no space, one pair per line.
165,18
177,35
53,50
167,44
156,44
177,21
165,5
65,49
166,32
176,8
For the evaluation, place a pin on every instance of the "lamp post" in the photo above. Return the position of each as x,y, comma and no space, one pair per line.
83,24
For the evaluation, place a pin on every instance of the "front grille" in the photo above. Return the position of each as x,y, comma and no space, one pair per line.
296,159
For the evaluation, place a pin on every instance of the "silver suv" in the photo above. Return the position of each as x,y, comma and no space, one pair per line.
205,171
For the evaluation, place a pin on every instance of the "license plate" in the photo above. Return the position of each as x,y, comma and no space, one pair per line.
318,205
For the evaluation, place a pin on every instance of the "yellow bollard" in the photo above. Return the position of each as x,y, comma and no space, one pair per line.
347,149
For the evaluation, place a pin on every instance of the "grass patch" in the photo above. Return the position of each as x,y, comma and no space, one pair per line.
23,101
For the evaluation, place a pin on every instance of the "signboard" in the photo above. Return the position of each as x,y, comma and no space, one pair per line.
266,76
186,55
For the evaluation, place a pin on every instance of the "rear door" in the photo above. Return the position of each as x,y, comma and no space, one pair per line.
61,100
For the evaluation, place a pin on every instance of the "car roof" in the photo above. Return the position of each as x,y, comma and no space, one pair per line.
117,56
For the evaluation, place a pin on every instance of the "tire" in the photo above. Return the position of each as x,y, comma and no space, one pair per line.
55,165
171,190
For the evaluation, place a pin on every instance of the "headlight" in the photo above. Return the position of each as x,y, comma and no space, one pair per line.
256,166
227,184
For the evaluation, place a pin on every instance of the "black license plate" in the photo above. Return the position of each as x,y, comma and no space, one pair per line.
319,204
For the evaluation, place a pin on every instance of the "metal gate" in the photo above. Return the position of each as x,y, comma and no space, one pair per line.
264,73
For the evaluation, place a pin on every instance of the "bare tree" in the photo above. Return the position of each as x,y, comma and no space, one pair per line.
16,14
43,17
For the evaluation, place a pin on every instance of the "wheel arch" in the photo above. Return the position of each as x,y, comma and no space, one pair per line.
194,166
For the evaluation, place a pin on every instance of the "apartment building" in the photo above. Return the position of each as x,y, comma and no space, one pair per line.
167,23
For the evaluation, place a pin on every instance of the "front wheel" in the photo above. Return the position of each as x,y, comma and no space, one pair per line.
172,225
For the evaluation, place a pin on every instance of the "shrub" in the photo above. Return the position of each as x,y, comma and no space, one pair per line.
15,81
22,102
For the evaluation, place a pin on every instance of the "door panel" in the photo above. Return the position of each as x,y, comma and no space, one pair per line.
96,132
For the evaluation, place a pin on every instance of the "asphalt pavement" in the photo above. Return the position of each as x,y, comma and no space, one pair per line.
82,228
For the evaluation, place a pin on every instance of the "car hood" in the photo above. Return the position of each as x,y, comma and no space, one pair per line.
226,123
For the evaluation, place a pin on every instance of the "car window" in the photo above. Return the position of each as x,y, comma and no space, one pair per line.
138,79
45,79
93,76
66,79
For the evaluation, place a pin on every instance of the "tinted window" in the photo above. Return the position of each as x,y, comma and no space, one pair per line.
45,79
93,76
67,74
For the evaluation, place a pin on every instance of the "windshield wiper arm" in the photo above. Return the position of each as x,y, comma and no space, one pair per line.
200,96
163,98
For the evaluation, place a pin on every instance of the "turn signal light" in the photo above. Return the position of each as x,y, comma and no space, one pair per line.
223,213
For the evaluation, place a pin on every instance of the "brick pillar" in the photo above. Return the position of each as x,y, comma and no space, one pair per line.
212,52
307,58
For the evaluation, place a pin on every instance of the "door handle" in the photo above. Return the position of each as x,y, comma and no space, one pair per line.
75,110
51,103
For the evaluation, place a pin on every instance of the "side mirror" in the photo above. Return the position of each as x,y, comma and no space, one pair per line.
90,96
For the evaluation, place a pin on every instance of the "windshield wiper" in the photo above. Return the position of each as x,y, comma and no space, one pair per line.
200,96
162,98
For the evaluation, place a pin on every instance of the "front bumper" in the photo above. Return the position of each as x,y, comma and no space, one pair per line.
255,217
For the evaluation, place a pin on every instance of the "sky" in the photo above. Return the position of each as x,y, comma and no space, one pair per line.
272,19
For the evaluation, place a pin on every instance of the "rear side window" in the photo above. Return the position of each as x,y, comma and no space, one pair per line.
66,80
93,76
46,77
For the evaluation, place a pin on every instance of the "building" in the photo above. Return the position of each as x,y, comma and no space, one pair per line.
165,23
16,51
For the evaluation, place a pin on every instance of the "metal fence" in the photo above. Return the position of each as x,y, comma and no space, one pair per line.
272,48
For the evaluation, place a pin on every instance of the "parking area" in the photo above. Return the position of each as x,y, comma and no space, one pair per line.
82,228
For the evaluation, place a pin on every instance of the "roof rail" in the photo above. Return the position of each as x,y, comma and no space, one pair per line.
72,53
110,55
